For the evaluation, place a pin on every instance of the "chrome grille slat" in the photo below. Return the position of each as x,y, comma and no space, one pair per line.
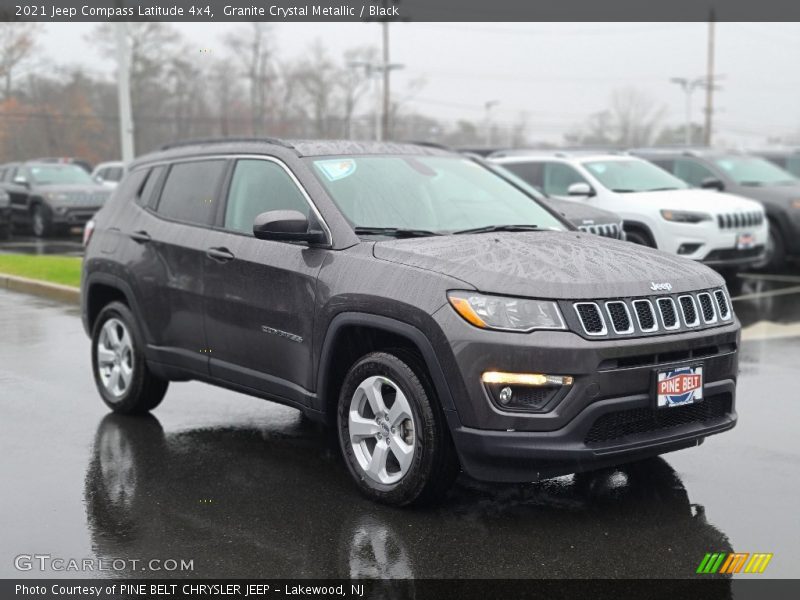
620,317
645,316
707,309
669,313
722,305
689,311
591,318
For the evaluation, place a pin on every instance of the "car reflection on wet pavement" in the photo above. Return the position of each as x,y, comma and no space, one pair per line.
62,246
244,487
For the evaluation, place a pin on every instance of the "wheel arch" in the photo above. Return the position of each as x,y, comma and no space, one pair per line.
100,289
642,228
353,334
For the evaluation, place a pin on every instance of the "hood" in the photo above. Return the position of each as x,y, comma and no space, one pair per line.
781,195
708,201
580,213
549,264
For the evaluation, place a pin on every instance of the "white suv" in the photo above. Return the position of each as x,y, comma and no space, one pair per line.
658,209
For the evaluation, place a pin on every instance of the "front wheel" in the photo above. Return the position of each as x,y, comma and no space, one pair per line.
120,370
392,432
41,221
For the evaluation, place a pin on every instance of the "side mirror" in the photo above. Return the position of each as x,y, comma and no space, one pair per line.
580,189
20,180
287,226
712,183
98,179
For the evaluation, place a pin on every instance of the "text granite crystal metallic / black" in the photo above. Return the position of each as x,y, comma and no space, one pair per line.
428,308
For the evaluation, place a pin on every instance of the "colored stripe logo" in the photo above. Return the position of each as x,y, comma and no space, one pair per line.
729,563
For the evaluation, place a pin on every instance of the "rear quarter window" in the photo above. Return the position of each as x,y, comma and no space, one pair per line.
190,191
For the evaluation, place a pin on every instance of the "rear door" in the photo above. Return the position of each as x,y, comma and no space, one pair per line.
259,295
171,234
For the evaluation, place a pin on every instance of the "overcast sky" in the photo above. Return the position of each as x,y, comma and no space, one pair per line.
557,73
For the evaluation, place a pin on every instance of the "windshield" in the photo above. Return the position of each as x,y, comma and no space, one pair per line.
432,194
750,170
48,174
633,176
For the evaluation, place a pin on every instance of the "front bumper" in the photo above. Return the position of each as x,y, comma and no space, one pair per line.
609,432
73,217
607,417
731,257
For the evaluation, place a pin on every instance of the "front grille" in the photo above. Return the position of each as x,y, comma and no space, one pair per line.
734,254
722,303
669,316
689,311
649,316
591,318
610,230
740,220
638,421
620,317
645,315
707,308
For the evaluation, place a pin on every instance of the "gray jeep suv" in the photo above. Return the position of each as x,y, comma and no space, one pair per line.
428,308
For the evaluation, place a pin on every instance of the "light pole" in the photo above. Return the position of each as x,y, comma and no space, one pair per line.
487,106
377,71
688,86
124,92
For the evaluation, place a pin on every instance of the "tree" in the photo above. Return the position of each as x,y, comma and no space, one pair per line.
252,50
17,45
318,78
354,82
636,117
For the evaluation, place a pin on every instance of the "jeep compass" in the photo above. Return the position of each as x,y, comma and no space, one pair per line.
429,309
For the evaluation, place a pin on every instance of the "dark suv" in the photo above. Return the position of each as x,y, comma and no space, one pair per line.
50,197
427,307
746,175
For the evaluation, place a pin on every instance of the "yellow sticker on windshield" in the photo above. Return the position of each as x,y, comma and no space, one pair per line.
336,169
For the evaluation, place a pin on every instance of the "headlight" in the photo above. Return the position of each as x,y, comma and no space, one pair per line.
508,314
685,216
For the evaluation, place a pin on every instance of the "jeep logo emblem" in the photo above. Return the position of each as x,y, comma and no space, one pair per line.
660,287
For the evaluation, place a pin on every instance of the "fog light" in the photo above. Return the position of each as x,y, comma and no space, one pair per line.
505,395
688,248
526,392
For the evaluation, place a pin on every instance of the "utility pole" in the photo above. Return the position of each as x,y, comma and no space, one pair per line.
689,86
710,79
488,119
124,92
386,89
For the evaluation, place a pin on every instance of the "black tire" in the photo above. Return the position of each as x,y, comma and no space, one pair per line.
5,232
434,465
145,390
776,249
41,221
637,236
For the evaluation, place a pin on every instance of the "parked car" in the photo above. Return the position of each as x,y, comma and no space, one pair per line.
109,174
748,176
585,218
66,160
434,313
658,209
51,197
5,215
787,159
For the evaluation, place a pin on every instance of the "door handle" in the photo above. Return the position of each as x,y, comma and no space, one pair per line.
222,255
140,237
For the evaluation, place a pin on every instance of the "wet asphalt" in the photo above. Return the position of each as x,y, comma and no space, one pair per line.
243,487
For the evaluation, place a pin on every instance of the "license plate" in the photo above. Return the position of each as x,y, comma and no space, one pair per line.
745,241
678,387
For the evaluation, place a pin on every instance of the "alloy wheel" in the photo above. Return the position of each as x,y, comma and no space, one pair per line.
381,429
115,357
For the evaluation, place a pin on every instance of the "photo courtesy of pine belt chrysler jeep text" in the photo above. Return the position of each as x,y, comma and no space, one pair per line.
428,308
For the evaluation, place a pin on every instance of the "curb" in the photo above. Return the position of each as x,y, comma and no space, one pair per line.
52,291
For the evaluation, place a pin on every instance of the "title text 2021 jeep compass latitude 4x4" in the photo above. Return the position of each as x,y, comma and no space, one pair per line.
431,310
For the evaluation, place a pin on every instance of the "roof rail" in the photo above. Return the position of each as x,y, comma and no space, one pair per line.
226,140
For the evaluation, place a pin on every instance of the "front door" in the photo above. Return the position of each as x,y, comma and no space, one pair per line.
259,294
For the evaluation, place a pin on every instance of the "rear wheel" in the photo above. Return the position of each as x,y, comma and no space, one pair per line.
120,370
392,432
637,236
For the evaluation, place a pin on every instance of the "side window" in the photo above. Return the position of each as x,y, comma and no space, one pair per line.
258,186
146,193
558,177
531,173
190,191
692,172
113,174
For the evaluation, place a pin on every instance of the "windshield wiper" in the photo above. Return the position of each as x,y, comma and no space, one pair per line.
398,232
623,191
664,189
490,228
751,183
